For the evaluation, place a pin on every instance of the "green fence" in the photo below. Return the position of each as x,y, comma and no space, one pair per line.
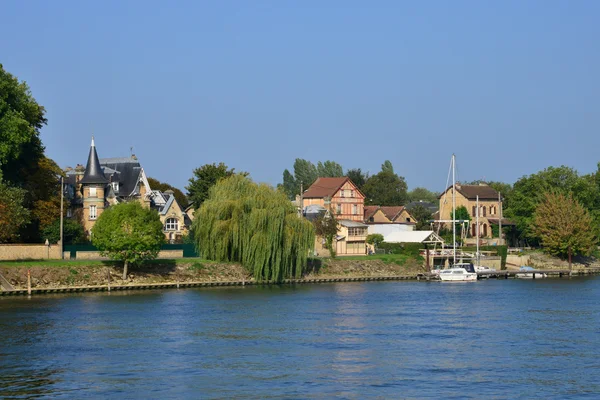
189,250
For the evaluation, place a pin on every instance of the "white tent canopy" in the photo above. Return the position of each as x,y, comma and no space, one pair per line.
413,237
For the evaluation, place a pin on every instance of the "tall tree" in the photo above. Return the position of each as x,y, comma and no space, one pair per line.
563,226
13,215
21,119
329,169
530,190
385,188
357,177
255,225
422,194
204,178
423,216
73,232
128,232
181,198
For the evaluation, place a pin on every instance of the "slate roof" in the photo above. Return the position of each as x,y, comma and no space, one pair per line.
471,192
93,171
128,173
325,187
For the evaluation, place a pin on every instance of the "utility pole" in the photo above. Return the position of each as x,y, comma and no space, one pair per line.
62,194
301,199
500,220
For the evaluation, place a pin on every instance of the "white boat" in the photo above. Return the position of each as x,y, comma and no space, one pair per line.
486,270
462,272
528,273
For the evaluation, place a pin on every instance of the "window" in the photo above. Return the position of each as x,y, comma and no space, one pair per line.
93,192
474,211
115,186
354,209
352,193
69,213
339,208
343,193
93,214
484,211
172,224
357,231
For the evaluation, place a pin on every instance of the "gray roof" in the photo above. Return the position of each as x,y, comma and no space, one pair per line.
351,224
127,172
93,171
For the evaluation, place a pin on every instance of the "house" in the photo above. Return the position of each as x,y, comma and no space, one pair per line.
388,219
342,198
490,207
109,181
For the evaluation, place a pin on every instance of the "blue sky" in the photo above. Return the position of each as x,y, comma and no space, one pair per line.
511,87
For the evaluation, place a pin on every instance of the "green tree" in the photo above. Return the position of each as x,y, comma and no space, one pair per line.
204,178
563,226
329,169
385,188
530,190
290,187
181,198
128,232
357,177
423,216
422,194
326,226
255,225
21,119
13,215
73,232
375,239
462,214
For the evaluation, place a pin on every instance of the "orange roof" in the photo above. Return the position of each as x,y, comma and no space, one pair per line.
391,212
325,187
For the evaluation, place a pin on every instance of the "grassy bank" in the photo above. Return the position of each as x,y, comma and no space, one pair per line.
67,273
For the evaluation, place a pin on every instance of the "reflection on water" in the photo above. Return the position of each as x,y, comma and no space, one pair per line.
500,339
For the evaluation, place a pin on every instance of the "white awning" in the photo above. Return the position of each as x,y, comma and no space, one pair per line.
413,237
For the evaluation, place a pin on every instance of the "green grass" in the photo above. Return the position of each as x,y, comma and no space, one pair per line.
386,258
91,263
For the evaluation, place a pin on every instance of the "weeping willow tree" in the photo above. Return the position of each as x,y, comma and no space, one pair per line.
255,225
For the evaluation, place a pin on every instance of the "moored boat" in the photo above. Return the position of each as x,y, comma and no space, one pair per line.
530,273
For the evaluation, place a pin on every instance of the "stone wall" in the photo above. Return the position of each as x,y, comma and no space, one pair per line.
29,251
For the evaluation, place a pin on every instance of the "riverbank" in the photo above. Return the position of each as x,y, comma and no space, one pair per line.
81,274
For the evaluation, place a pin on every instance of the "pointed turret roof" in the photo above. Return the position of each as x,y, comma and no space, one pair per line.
93,170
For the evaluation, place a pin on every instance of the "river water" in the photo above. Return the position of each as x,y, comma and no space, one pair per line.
500,339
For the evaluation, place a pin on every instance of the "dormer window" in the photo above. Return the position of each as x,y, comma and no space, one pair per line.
93,192
115,187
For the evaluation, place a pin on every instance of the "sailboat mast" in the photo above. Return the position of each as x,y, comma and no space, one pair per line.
477,222
453,211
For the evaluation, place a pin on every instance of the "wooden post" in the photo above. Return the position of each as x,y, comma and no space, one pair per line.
29,282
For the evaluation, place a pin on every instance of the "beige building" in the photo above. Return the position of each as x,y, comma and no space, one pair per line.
490,207
109,181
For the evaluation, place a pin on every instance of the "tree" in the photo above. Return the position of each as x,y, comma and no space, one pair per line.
375,239
423,216
21,119
385,188
357,177
326,226
422,194
329,169
181,198
72,232
13,215
204,178
530,190
255,225
128,232
563,226
462,214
